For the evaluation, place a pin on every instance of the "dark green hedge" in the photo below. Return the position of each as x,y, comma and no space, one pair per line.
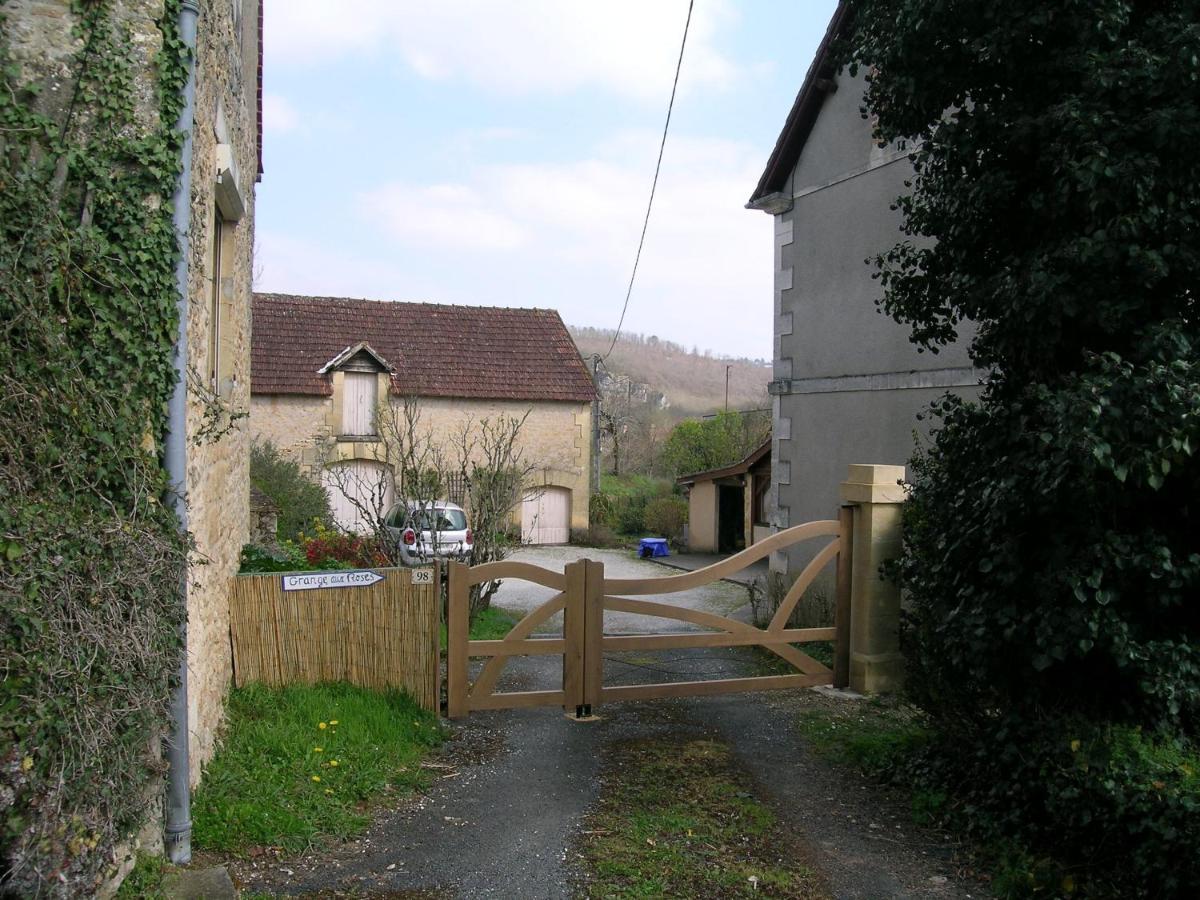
1051,558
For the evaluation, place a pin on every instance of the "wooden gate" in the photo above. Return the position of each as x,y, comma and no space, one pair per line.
584,595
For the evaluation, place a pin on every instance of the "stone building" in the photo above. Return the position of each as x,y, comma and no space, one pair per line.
848,385
324,367
226,164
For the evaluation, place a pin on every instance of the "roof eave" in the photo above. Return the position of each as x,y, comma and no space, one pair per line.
803,114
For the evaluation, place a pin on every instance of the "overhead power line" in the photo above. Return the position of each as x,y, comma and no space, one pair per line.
654,184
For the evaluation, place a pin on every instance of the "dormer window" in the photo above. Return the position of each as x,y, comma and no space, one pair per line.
360,368
360,396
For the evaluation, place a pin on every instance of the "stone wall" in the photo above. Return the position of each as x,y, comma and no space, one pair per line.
218,478
555,436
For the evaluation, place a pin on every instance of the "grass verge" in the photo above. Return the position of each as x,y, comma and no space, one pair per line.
679,819
876,735
490,625
308,761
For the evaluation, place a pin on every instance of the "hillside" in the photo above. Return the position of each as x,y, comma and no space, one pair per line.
691,383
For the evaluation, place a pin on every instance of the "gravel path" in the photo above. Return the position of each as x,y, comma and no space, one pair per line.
512,787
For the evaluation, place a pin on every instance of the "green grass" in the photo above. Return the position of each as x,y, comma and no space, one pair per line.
305,762
145,880
679,819
490,625
770,664
875,735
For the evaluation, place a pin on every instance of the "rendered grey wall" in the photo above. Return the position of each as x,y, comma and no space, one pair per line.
849,384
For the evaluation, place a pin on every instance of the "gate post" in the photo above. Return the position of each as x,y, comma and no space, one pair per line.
593,647
458,615
875,495
574,623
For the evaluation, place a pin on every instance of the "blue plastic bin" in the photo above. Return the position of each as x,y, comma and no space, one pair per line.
653,547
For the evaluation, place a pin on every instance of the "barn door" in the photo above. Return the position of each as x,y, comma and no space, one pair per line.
360,492
546,516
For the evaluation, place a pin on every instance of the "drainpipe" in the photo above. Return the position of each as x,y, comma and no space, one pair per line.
178,837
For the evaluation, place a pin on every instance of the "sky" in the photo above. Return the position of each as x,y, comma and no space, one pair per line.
500,153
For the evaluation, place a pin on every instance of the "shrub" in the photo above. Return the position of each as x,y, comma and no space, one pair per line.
603,536
325,549
299,498
290,557
1050,556
1073,807
666,516
621,502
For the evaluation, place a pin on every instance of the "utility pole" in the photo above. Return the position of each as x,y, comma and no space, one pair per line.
596,425
727,368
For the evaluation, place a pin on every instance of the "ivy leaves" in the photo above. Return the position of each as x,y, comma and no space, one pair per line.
90,559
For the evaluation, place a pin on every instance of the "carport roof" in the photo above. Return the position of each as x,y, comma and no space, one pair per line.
434,350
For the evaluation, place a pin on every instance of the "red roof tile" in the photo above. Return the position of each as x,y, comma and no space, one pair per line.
437,350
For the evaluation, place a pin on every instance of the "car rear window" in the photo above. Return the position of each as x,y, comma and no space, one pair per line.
446,519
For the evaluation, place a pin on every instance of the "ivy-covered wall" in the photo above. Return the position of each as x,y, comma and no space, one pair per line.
90,554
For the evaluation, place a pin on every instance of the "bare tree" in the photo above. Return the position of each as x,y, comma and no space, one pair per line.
493,466
479,464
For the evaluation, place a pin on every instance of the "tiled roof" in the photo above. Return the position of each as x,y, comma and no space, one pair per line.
481,352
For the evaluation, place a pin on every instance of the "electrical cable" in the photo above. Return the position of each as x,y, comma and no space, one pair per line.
654,184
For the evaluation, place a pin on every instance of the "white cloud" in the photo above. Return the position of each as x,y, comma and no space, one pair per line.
441,214
279,116
292,265
514,47
707,260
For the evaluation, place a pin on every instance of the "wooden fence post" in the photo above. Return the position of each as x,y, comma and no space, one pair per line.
875,494
457,626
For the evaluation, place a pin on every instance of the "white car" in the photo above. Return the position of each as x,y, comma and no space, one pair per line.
427,531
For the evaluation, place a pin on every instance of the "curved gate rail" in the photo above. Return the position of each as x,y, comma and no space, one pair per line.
585,595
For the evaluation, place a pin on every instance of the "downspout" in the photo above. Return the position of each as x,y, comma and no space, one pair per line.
178,837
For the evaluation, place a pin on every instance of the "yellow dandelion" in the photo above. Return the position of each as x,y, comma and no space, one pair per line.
333,762
27,764
333,721
318,749
322,725
329,790
316,778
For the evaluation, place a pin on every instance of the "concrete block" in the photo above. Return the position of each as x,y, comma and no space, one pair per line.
200,884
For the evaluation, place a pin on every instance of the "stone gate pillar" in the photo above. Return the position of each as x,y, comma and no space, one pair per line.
875,495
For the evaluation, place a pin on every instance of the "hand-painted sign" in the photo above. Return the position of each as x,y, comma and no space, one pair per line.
422,576
312,581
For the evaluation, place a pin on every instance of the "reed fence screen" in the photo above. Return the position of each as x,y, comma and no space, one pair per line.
382,635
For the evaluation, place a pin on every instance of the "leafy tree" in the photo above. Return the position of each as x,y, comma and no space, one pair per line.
299,498
699,444
1051,556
